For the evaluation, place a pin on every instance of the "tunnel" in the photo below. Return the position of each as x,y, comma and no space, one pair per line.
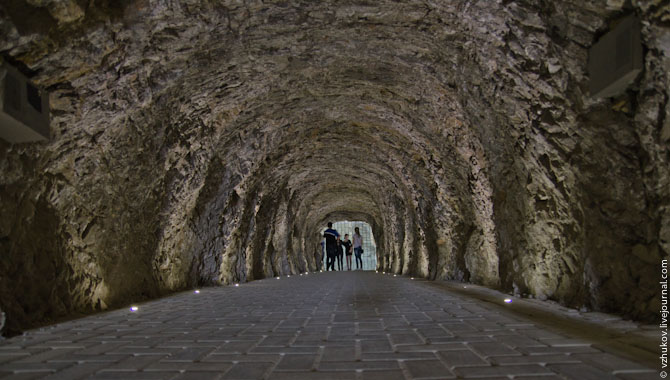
203,143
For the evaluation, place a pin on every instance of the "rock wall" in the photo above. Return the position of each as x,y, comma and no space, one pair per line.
199,143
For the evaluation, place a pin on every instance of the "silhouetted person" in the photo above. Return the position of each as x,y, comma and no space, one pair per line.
331,236
340,254
347,250
358,248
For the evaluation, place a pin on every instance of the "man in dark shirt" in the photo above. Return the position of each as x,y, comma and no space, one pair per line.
331,236
340,254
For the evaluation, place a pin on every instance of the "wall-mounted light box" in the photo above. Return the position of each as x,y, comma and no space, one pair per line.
24,108
616,59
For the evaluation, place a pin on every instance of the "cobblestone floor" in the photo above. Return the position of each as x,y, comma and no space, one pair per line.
344,325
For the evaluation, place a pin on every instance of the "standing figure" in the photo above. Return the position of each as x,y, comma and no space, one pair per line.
347,249
331,236
358,248
340,254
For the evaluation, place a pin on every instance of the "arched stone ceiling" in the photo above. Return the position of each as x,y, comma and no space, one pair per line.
198,142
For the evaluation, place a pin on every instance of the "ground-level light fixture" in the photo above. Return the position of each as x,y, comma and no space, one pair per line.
236,285
507,300
134,308
196,291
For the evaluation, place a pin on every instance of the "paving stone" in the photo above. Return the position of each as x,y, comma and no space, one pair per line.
320,375
193,366
427,369
382,375
246,370
138,351
297,362
368,346
462,358
200,375
406,338
77,371
339,354
432,347
134,375
12,356
288,350
21,376
514,370
80,358
609,363
134,363
536,359
493,349
103,348
316,327
189,354
277,341
33,367
460,339
46,355
515,341
418,355
237,347
581,371
558,350
230,358
358,365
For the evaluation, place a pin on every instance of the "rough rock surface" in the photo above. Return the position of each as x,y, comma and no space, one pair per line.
194,142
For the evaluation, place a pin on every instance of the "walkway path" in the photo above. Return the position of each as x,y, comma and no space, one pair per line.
345,325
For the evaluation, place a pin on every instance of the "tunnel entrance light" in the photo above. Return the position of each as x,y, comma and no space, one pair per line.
369,256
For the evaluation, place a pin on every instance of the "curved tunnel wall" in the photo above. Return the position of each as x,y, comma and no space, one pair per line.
193,144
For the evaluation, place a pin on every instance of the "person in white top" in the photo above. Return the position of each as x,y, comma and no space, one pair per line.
358,247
